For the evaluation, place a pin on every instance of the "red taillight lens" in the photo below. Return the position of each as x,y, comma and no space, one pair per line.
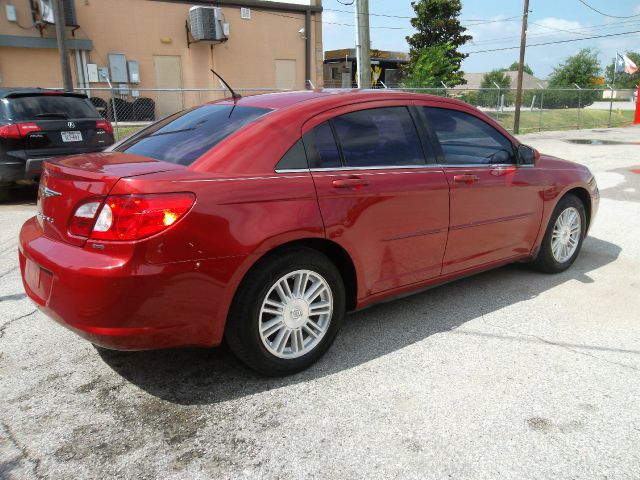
130,217
27,128
18,130
9,131
104,125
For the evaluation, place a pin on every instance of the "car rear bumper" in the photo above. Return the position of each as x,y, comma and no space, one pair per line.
119,302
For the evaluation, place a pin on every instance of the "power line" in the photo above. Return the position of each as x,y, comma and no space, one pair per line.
606,14
556,42
480,20
577,31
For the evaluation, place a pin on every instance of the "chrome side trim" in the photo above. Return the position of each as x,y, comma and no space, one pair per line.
403,167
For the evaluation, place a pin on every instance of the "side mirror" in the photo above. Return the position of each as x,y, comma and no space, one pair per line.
527,155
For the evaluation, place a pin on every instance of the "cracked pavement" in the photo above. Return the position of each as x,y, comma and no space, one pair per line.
507,374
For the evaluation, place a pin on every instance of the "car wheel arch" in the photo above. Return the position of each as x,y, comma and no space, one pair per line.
334,251
585,198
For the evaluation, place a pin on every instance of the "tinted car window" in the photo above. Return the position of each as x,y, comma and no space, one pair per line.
378,137
48,106
465,139
295,158
185,136
321,147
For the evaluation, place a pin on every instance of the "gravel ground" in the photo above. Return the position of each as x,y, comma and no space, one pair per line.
508,374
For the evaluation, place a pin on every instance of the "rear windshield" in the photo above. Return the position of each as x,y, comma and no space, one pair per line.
185,136
49,106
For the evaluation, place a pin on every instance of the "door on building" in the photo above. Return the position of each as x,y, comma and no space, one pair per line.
286,74
168,75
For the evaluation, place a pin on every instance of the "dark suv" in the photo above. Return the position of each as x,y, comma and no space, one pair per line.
37,124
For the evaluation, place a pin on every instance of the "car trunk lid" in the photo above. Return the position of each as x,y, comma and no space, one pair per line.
70,181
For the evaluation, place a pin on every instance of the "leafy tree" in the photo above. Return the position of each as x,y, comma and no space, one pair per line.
514,68
434,65
624,80
437,23
489,95
582,69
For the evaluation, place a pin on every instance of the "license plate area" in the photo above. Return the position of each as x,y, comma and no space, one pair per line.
72,136
39,280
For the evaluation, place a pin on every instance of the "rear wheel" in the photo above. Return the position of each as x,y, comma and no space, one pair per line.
286,312
563,239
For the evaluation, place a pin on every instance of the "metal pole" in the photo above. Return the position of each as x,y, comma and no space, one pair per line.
579,102
65,67
363,44
613,86
307,47
523,45
541,106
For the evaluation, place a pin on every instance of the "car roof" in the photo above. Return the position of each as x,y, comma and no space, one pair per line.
281,100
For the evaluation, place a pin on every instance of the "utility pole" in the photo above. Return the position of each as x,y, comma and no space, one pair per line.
58,16
523,46
363,58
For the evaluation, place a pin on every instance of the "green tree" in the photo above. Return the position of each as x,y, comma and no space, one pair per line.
489,95
436,23
514,68
582,69
624,80
434,65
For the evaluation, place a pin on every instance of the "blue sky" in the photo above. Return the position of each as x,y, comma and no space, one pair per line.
549,20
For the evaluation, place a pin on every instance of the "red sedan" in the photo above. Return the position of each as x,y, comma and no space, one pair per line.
262,220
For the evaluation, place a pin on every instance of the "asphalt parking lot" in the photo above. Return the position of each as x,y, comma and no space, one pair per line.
508,374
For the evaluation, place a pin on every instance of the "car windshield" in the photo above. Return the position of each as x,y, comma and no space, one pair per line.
185,136
37,107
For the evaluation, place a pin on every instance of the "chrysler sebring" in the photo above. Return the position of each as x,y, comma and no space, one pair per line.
260,221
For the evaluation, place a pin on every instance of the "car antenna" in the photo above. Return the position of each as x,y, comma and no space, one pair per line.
234,95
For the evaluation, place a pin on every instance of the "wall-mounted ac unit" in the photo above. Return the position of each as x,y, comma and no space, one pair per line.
69,12
207,24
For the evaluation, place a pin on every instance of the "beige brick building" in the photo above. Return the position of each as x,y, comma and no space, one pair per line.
142,44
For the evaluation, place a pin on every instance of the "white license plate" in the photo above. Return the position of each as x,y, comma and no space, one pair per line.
71,136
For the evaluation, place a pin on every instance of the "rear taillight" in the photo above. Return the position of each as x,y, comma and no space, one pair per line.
129,217
104,125
18,130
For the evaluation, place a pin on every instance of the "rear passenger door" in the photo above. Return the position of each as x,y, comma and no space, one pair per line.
496,205
378,196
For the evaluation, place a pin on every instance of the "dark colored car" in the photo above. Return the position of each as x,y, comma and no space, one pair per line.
37,124
263,220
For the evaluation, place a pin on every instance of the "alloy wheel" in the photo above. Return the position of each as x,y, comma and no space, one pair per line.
295,314
566,235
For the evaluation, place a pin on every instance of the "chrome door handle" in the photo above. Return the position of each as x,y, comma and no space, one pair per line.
350,183
466,178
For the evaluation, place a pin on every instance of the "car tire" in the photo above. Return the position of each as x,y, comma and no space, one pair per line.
560,245
278,324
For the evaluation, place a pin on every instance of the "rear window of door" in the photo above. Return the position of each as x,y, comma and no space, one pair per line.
467,140
183,137
378,137
42,107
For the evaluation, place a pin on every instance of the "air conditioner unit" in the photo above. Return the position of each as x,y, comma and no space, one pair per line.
207,24
69,12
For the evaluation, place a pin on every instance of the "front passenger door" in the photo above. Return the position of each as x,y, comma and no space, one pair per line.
496,205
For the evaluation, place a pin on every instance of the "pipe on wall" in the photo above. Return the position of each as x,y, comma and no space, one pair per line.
307,48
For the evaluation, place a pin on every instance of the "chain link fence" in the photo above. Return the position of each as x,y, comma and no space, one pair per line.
131,109
546,108
542,108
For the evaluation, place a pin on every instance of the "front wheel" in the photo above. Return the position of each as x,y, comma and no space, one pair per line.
563,238
286,312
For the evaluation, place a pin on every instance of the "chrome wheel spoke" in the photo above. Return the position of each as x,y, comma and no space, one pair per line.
566,235
295,314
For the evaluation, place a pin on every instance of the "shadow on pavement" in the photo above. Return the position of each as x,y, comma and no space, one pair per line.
202,376
19,194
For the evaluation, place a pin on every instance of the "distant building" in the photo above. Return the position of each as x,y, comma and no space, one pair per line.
474,80
339,70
